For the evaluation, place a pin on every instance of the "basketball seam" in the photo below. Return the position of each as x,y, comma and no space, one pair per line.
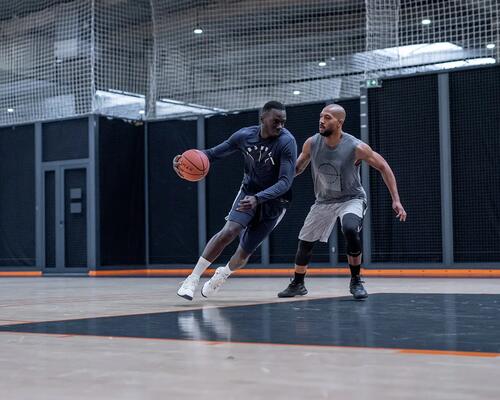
202,160
191,173
190,162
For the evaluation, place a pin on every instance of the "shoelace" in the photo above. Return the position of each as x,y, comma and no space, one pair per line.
356,282
218,281
190,280
293,282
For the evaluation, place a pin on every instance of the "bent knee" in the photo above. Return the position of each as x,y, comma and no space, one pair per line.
351,228
304,253
229,232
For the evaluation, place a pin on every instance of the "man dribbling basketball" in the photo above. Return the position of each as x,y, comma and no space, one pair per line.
270,153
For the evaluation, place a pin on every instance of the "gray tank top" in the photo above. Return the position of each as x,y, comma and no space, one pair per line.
336,178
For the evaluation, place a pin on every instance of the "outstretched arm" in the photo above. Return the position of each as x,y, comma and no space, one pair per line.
224,149
375,160
304,157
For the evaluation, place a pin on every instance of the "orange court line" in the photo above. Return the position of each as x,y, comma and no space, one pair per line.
393,273
216,342
20,273
449,353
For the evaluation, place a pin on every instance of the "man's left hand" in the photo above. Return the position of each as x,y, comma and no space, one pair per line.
247,203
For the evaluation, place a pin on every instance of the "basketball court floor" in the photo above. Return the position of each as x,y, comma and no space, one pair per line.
134,338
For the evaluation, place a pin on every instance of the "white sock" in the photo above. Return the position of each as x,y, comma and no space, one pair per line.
200,267
226,270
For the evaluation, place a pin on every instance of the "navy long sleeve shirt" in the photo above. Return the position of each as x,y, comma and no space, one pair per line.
269,163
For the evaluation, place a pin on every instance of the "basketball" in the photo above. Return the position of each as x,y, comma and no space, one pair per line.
194,165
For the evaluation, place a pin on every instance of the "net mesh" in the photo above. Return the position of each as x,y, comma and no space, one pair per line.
123,46
408,36
251,51
141,59
45,60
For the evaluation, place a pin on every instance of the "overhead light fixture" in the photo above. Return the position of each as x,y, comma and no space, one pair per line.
332,58
465,63
418,49
322,64
198,31
490,46
126,93
142,112
10,110
426,21
296,92
425,48
192,106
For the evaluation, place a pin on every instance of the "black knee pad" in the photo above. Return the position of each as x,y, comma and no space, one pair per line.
351,228
304,253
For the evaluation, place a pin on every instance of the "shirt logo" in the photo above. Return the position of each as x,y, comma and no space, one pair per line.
260,154
329,177
329,173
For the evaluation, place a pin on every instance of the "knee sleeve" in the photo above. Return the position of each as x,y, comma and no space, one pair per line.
351,228
304,253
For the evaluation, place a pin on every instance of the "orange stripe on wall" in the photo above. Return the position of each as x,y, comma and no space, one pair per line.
393,273
21,273
388,273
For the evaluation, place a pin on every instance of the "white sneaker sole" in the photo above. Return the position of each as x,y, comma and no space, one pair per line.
185,296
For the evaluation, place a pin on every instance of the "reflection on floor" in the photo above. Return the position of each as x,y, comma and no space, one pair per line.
452,322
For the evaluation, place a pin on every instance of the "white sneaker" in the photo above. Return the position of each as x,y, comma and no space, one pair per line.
188,287
212,286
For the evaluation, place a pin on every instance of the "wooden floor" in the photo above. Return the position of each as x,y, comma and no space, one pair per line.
246,343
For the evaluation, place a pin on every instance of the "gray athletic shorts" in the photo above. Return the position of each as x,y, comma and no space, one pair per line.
321,219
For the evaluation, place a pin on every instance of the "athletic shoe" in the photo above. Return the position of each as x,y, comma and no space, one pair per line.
212,286
188,287
294,289
356,288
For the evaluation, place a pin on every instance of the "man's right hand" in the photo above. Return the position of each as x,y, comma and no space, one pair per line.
175,164
399,210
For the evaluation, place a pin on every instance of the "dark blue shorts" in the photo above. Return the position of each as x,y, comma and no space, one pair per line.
257,223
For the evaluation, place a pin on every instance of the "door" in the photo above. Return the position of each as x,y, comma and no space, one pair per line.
65,219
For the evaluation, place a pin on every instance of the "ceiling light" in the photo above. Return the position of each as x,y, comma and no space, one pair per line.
426,21
322,64
418,49
490,46
142,112
11,110
465,63
198,31
296,92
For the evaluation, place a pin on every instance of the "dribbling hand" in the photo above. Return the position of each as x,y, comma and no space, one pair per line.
247,203
175,165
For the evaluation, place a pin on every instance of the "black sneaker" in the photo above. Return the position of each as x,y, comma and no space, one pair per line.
356,288
294,289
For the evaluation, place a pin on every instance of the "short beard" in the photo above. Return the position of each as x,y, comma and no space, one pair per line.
326,133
